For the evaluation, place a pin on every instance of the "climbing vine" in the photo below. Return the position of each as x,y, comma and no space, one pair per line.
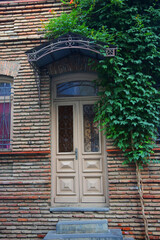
128,109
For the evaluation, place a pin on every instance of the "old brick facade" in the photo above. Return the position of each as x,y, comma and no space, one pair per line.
25,172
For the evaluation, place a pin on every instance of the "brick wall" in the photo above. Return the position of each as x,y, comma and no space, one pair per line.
124,199
25,173
25,187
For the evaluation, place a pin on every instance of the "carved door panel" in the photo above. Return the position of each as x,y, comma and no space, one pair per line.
91,164
66,163
79,175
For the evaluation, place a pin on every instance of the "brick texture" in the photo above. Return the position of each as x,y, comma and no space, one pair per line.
25,179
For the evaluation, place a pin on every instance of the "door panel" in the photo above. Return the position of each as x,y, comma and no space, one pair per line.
66,164
79,174
66,176
92,164
92,173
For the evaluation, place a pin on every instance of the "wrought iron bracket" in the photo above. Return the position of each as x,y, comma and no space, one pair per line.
37,74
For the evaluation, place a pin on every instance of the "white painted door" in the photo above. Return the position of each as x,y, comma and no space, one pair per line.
79,169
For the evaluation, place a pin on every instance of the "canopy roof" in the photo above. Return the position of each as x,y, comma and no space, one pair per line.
65,45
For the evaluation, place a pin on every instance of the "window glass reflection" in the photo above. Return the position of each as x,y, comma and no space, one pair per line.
65,125
5,89
5,115
91,131
76,88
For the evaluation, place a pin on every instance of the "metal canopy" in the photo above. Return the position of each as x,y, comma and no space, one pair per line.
63,46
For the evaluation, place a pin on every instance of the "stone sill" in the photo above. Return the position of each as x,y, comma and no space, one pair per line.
79,209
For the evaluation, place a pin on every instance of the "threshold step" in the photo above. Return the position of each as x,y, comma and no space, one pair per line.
110,235
90,226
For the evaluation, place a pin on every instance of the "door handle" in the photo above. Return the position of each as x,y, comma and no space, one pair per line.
76,153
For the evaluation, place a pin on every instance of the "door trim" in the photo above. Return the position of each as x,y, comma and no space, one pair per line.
62,101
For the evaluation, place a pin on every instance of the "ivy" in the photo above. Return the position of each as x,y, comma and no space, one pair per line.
129,106
128,109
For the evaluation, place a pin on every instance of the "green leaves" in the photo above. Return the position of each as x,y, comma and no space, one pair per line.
128,109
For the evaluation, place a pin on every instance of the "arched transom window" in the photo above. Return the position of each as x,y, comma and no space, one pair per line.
76,88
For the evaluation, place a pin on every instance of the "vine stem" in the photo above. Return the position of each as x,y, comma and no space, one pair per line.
140,191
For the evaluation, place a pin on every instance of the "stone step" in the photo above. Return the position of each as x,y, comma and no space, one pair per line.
114,234
90,226
128,238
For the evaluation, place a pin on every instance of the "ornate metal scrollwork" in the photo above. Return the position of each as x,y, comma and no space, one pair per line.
70,41
37,57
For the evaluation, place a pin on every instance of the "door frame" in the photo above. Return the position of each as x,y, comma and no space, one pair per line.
66,78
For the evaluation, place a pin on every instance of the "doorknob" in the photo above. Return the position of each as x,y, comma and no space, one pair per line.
76,153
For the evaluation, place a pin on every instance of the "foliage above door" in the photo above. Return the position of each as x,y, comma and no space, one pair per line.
129,105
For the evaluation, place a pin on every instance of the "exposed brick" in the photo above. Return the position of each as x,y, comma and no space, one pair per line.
25,186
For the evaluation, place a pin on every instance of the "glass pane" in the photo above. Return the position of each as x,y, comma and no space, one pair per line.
5,110
91,131
5,89
65,124
76,88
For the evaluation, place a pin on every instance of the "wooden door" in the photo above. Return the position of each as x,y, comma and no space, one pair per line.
79,170
66,175
91,156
